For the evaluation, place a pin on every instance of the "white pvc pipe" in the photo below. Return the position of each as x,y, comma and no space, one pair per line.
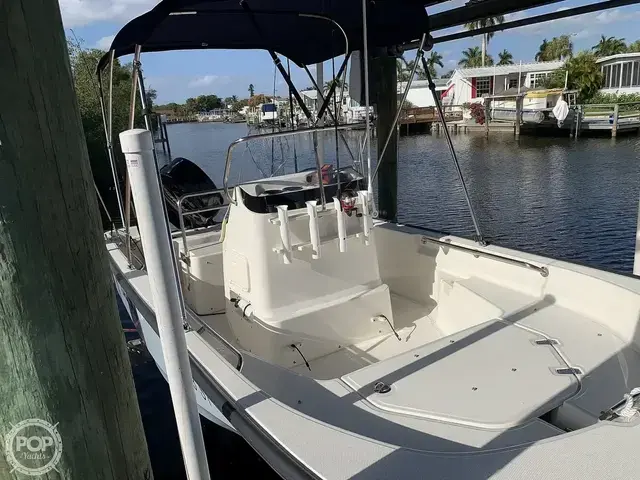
137,146
363,195
314,235
342,229
284,233
365,41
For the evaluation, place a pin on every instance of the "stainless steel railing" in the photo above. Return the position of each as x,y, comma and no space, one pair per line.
235,143
182,214
544,271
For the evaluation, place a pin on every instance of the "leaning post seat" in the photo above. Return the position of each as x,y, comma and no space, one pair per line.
299,273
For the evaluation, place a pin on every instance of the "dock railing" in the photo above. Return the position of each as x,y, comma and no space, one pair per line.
613,116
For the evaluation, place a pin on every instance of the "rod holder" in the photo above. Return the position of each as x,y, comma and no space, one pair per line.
314,235
363,196
342,229
285,236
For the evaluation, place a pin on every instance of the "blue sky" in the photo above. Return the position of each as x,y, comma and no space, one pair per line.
179,75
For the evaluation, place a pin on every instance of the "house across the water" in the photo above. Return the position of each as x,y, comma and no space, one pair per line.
419,93
467,84
620,73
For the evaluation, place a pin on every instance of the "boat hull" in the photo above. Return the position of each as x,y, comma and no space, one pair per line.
151,339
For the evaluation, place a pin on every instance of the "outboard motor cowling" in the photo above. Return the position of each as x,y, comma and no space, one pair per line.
181,177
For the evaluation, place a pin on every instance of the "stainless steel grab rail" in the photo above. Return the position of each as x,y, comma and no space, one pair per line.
182,214
235,143
544,271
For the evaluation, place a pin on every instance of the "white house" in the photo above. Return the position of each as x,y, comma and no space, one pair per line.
467,84
621,73
419,93
350,109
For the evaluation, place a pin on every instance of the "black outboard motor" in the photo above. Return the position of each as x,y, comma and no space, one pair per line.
181,177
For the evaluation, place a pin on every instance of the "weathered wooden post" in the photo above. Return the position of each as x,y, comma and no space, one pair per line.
385,97
487,115
614,128
62,351
518,122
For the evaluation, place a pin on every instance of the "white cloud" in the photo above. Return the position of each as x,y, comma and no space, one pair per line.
578,24
610,16
105,42
208,80
77,13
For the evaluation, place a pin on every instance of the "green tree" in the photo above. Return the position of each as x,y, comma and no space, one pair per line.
233,99
402,74
634,47
505,58
151,96
405,68
251,90
434,59
542,51
609,46
83,64
486,37
472,57
559,48
448,74
338,83
584,75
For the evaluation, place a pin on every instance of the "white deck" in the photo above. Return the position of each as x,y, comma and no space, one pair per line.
466,377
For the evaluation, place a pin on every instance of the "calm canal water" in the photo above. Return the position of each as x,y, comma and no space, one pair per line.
567,199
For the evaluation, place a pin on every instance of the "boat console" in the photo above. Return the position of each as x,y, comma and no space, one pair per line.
294,190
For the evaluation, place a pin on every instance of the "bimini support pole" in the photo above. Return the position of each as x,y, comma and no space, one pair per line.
138,148
432,86
419,56
127,181
314,84
106,121
365,52
278,63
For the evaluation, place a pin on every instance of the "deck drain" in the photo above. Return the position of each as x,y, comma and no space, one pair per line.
381,387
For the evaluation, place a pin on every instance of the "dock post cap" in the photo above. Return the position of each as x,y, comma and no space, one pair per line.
136,140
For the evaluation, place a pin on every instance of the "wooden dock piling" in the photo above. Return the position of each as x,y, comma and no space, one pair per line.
614,128
62,349
518,121
487,115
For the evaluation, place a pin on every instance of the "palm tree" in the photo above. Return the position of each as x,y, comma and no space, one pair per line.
327,85
251,89
542,51
505,58
485,22
634,47
609,46
472,57
405,68
434,59
559,48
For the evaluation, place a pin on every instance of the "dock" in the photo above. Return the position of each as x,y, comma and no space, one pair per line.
585,118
